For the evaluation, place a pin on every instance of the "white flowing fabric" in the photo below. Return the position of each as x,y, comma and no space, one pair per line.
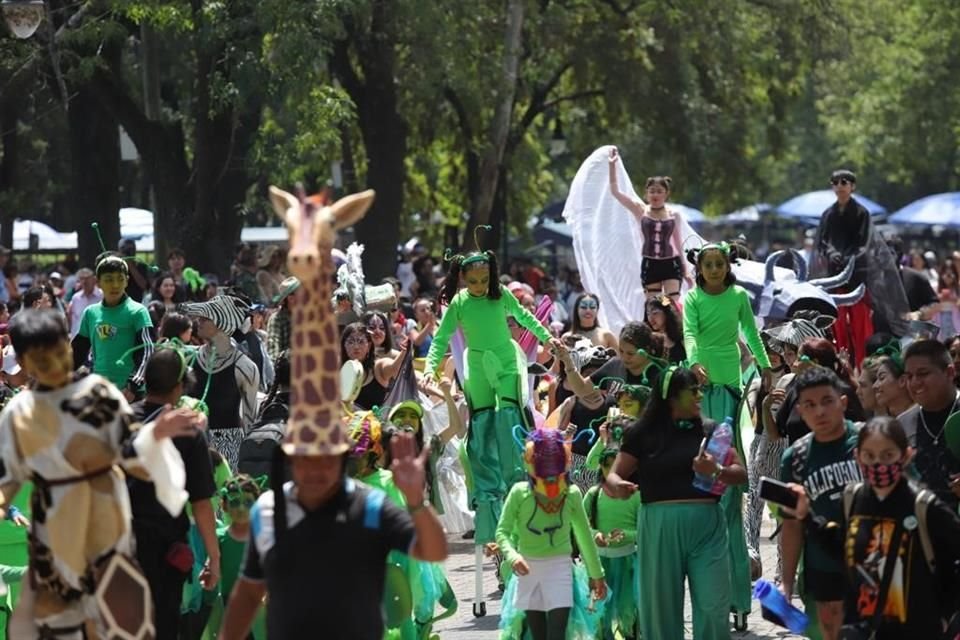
607,240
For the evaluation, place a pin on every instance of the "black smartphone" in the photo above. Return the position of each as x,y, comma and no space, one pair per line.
777,492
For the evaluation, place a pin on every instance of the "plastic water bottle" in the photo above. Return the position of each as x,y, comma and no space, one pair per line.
777,609
719,447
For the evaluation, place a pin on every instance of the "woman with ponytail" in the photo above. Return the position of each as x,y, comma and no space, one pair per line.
492,376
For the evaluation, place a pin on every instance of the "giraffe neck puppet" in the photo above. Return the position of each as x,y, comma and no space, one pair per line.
314,427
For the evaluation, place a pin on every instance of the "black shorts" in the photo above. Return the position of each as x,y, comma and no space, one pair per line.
824,586
656,270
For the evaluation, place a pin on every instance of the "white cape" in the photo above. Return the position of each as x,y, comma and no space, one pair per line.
607,240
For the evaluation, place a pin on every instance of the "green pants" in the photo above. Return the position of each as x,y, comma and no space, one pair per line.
496,463
683,540
721,402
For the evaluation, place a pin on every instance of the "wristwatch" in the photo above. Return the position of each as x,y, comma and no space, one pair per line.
412,509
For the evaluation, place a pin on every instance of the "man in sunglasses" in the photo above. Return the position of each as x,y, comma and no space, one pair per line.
846,232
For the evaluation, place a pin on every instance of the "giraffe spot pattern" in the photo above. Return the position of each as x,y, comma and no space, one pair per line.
309,363
329,333
331,360
328,387
307,434
314,339
310,395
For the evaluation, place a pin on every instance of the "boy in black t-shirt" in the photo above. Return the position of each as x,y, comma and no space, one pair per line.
823,462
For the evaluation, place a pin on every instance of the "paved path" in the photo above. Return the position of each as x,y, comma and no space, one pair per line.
464,626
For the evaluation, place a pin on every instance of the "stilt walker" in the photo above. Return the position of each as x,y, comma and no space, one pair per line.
491,380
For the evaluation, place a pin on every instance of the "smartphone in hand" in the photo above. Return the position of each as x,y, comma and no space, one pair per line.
778,492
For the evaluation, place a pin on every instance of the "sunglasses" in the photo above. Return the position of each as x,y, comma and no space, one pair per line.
843,181
588,304
237,501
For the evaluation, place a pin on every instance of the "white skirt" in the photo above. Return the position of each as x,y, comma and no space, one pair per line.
548,586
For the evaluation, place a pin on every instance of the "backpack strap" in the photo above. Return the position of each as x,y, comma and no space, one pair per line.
849,497
924,499
372,506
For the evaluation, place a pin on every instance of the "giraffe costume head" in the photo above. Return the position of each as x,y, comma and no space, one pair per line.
315,427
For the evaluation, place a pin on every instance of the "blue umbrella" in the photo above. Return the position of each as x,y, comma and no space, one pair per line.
753,213
941,209
813,204
689,214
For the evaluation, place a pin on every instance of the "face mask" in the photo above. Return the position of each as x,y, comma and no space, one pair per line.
882,476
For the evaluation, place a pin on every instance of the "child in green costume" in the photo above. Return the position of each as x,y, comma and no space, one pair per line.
714,315
492,381
237,498
534,535
631,399
413,588
614,526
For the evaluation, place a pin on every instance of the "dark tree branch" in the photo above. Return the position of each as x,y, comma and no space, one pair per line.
620,11
591,93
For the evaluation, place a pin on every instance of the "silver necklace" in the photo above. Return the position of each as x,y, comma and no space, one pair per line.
923,421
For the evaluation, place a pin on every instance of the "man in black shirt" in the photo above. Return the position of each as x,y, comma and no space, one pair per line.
844,233
930,375
162,549
321,553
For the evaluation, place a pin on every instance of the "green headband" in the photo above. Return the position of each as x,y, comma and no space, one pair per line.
480,256
665,382
719,246
188,357
892,351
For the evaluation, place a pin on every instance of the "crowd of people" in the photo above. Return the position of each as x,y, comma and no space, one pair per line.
601,435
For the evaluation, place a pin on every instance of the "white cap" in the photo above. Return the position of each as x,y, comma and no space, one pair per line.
10,365
55,276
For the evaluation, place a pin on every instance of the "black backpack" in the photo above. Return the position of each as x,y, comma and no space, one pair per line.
257,449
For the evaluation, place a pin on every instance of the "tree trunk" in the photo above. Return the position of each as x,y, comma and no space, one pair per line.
94,173
10,143
383,130
500,126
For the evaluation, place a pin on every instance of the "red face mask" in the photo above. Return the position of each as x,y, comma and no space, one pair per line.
882,476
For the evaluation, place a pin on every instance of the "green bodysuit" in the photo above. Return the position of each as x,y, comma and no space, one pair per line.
711,330
492,384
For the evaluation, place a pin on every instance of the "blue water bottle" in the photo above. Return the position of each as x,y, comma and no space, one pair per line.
777,609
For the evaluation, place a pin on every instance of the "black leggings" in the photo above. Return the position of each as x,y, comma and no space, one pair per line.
548,625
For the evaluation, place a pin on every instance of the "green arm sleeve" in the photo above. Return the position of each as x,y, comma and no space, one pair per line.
630,535
588,500
508,519
748,324
438,348
593,457
581,531
691,325
523,317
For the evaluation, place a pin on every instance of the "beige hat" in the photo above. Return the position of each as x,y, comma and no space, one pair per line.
287,286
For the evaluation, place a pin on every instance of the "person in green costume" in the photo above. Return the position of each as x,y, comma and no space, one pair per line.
237,498
114,327
714,315
14,552
534,535
614,526
491,379
413,588
631,399
680,527
408,416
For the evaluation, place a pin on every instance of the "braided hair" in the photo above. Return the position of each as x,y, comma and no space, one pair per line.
451,284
